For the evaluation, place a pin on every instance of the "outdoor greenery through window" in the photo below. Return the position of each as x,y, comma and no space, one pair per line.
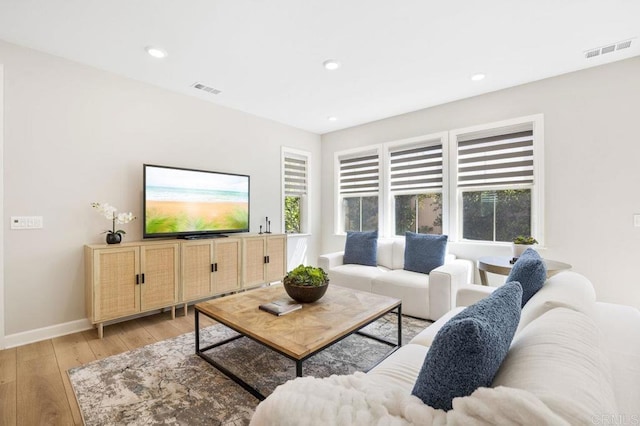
496,215
295,183
292,214
360,213
421,213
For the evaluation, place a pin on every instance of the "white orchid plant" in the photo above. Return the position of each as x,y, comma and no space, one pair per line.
111,213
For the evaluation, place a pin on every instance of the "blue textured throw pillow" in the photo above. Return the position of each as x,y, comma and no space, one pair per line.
468,350
530,271
424,252
361,248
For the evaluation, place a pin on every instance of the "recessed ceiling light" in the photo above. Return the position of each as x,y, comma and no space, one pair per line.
332,118
331,64
156,52
478,77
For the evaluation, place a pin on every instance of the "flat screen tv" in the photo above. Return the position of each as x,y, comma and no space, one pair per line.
187,203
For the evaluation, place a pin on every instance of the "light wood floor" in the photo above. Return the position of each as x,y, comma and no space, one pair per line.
34,386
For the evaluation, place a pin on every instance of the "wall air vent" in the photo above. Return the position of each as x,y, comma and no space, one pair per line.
592,53
206,88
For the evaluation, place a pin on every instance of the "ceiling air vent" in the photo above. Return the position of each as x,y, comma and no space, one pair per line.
592,53
623,45
206,88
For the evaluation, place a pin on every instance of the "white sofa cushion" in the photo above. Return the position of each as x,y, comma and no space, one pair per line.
566,289
401,369
426,336
620,333
557,357
410,287
357,277
398,253
385,253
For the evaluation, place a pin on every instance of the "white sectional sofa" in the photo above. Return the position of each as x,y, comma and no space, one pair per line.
572,361
423,296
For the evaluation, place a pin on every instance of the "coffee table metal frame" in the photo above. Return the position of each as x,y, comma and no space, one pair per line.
200,351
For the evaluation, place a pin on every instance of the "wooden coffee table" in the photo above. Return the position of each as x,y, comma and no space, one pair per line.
300,334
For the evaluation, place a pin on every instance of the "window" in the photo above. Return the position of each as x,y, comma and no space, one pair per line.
498,175
415,186
358,197
295,172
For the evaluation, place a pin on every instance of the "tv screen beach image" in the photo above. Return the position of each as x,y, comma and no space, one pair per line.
182,201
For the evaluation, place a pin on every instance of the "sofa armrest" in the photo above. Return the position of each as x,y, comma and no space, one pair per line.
468,294
331,260
444,282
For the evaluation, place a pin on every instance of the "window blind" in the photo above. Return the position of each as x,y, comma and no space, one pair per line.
359,174
496,160
418,168
295,176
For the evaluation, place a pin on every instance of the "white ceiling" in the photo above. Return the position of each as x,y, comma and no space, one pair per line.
266,55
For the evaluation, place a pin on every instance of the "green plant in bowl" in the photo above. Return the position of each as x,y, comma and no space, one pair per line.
306,284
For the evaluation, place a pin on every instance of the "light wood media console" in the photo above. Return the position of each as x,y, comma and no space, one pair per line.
135,277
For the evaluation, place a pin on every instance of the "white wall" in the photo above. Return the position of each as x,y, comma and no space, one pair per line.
592,176
2,332
74,134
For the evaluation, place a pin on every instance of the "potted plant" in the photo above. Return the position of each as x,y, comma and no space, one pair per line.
110,212
521,243
306,284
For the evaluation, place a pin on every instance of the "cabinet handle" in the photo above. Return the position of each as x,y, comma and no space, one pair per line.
216,268
137,279
213,267
142,278
266,259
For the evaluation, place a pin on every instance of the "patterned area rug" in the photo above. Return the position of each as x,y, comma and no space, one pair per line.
166,383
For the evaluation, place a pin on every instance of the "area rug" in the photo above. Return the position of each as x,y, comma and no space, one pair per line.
166,383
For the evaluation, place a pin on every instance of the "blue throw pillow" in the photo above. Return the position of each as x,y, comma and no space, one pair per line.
468,350
424,252
361,248
530,271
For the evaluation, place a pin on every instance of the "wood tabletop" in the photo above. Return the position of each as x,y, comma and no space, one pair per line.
303,332
501,265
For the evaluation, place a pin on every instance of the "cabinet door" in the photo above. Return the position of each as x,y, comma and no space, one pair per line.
159,275
277,258
253,261
227,260
197,258
116,293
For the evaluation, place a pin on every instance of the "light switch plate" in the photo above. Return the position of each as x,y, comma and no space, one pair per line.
636,220
26,222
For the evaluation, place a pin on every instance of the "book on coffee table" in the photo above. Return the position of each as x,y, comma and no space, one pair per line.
281,306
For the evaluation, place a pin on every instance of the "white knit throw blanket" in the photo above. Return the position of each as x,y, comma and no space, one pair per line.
354,400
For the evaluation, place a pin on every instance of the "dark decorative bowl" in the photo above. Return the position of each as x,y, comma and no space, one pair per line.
305,294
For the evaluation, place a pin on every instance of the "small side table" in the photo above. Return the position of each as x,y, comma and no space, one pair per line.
501,265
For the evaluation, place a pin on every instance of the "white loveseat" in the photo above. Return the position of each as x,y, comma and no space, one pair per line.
572,361
423,296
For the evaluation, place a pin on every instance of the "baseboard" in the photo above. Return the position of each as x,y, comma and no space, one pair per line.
37,335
